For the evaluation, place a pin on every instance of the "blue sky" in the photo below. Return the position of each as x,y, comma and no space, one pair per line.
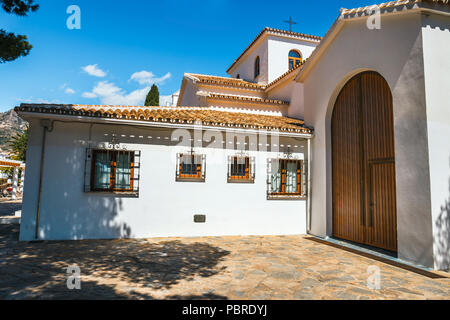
124,46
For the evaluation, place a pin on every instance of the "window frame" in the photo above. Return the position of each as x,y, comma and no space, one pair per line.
90,170
250,170
257,67
294,59
301,192
201,169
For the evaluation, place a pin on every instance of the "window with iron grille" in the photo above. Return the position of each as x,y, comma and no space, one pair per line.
241,169
286,179
191,167
114,171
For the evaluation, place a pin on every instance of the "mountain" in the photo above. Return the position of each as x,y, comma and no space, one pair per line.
10,124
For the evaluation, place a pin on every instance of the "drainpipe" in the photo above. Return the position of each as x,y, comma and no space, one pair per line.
309,187
48,127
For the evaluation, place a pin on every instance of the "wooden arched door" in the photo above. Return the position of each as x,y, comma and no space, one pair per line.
363,157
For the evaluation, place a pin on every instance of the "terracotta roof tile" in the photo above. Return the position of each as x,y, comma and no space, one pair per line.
220,96
390,4
224,81
175,115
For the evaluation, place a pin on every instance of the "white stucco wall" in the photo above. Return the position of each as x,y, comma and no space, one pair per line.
164,207
293,92
189,97
297,106
436,45
396,53
246,68
282,92
195,94
274,54
279,54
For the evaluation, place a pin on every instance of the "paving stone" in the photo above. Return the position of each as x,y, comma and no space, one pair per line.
405,290
200,268
239,293
433,290
345,295
285,275
362,291
310,283
260,296
303,295
345,278
333,285
399,281
258,273
330,272
239,275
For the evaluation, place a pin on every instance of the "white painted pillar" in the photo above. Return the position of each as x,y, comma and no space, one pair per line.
308,188
22,180
15,182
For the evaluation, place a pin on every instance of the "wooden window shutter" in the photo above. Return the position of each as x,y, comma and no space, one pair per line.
230,164
247,168
112,173
252,167
132,171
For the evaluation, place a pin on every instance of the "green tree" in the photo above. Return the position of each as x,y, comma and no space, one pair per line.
14,46
18,145
152,99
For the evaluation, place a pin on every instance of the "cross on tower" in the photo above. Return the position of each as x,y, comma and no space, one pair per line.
290,23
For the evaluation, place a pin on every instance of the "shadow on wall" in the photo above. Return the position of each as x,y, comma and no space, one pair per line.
442,236
119,269
70,214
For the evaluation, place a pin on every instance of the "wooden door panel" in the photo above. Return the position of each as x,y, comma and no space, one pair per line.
347,195
363,163
378,161
377,117
382,224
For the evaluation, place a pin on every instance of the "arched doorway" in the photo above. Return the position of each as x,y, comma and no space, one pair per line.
363,163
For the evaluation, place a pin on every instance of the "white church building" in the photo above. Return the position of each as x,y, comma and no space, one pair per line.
345,136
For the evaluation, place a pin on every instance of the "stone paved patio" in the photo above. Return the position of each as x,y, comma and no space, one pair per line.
9,207
293,267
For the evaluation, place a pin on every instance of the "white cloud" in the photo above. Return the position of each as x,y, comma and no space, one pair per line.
94,70
89,95
109,93
39,100
69,91
148,77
